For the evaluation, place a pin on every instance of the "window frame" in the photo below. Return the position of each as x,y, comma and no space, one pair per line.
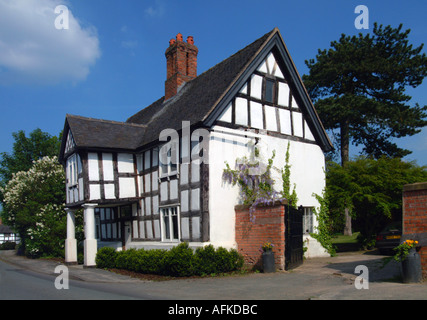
171,223
308,220
73,170
168,152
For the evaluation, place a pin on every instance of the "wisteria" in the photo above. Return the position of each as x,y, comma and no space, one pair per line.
255,182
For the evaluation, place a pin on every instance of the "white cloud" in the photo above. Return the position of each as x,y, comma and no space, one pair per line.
34,51
155,11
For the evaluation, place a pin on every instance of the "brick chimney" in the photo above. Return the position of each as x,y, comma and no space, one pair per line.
181,59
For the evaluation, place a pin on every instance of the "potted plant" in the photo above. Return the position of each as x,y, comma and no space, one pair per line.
268,262
411,263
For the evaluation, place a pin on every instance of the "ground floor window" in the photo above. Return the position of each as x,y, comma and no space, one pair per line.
307,220
108,224
170,223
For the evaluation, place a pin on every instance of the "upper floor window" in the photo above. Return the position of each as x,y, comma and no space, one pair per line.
169,158
269,90
74,167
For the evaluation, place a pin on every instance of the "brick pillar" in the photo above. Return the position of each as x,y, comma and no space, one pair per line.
266,224
415,218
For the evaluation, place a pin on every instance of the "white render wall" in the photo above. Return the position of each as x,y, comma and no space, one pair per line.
307,172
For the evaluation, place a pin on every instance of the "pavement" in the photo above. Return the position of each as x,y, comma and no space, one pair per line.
330,278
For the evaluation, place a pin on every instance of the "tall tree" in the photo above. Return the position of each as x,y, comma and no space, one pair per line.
358,86
26,150
372,191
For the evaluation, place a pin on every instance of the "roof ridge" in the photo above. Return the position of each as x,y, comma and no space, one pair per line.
107,121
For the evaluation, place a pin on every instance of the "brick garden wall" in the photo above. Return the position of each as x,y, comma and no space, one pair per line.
415,218
267,224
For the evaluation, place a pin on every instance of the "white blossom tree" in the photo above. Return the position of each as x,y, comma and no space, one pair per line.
34,201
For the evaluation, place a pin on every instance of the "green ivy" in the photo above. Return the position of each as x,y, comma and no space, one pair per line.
323,234
286,178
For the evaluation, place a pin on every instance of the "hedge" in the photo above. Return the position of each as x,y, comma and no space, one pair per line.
180,261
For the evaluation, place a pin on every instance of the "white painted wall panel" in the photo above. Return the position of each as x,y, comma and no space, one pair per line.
256,86
195,199
155,180
93,166
294,103
81,189
195,231
285,121
283,98
107,166
195,171
226,115
127,187
244,89
270,118
278,73
257,119
142,229
135,232
147,159
173,189
148,206
125,163
109,191
155,205
297,123
263,67
271,62
241,111
185,228
94,192
147,184
157,228
163,191
183,176
184,200
149,226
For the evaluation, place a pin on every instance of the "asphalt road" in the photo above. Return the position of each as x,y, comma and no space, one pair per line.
19,284
331,278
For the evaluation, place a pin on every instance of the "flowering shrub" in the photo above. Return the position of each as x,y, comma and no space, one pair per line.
254,179
402,250
35,201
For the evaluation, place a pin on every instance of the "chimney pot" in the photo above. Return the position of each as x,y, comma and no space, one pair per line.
181,64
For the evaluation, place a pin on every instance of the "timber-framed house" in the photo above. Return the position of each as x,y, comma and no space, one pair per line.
136,193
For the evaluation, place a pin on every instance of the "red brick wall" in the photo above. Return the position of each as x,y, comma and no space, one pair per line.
267,224
415,217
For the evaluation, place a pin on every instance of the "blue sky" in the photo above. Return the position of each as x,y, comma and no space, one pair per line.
110,63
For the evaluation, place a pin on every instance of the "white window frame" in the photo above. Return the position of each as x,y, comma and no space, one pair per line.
171,211
169,159
73,170
308,220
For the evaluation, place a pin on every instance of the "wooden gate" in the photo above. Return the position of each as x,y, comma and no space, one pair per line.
294,251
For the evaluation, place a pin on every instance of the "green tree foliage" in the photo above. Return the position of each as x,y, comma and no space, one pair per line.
26,150
358,86
372,190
